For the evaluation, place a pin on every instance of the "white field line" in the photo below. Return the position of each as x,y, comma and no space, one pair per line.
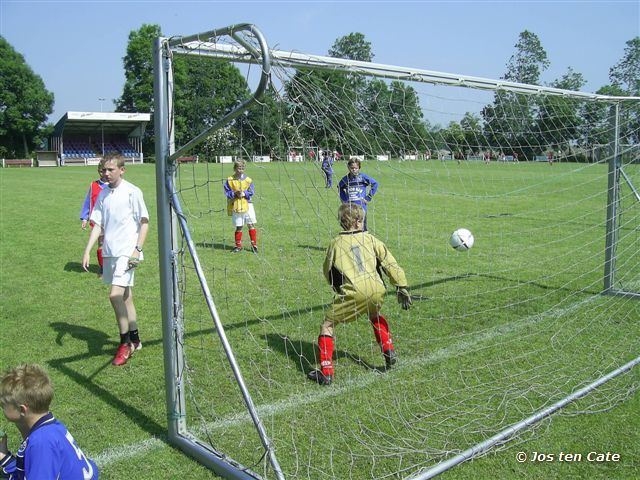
116,454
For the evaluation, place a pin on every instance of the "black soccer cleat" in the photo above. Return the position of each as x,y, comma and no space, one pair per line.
254,248
319,377
390,358
236,250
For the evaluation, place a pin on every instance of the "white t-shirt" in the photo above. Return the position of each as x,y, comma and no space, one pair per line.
119,211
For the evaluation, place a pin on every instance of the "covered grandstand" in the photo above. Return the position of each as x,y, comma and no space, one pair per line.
83,138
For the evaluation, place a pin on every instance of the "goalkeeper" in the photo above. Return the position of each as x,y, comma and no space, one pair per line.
353,267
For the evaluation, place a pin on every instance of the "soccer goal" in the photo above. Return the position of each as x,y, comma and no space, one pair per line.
538,319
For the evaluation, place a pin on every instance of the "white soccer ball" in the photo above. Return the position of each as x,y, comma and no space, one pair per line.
461,239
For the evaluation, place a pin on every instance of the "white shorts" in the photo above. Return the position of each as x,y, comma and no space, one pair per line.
239,219
114,272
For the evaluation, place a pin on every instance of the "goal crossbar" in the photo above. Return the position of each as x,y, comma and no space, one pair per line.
303,60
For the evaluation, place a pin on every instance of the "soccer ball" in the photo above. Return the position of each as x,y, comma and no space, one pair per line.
461,239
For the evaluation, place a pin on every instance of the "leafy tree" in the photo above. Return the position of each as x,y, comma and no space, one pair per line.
348,112
353,46
323,103
559,119
25,104
596,123
474,140
465,137
349,91
454,138
137,94
512,115
529,61
626,73
220,142
406,118
264,127
204,89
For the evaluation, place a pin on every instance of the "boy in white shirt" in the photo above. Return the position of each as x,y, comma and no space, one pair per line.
121,215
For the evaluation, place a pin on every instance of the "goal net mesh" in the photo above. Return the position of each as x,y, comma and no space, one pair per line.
495,334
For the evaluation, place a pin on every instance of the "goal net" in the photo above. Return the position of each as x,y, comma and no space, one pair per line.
543,305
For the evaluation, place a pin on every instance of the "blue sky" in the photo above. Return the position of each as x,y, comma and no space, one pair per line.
77,46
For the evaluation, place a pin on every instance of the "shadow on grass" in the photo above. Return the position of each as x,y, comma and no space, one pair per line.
95,339
77,267
215,245
304,354
99,345
313,247
516,281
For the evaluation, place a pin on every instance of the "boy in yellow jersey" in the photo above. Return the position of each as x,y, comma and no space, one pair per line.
239,191
353,267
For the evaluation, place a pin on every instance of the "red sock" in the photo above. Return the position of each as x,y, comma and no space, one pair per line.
381,331
253,234
99,254
325,347
239,239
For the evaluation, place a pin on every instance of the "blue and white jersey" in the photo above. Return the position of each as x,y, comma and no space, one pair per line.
48,453
327,163
355,189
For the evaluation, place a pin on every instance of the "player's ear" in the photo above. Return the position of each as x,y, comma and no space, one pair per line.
24,409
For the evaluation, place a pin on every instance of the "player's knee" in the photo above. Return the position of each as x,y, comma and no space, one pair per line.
116,297
327,328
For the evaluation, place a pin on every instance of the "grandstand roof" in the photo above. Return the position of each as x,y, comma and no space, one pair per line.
77,123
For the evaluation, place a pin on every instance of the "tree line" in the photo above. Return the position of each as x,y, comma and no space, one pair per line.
338,110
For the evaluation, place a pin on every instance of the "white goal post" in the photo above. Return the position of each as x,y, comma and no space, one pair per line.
186,260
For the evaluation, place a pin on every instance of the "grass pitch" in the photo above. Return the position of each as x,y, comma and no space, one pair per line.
495,334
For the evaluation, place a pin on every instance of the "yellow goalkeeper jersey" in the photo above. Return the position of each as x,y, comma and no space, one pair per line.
232,185
355,261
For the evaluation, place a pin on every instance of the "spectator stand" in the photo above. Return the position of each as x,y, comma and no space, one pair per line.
83,138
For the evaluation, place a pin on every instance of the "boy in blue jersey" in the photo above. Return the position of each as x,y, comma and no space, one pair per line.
48,451
357,187
327,169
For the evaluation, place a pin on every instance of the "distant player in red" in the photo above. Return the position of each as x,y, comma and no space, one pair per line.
87,207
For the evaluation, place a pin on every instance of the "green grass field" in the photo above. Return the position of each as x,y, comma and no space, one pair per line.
495,335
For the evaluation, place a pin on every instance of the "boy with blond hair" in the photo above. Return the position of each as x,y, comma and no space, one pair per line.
48,449
353,267
121,214
239,191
